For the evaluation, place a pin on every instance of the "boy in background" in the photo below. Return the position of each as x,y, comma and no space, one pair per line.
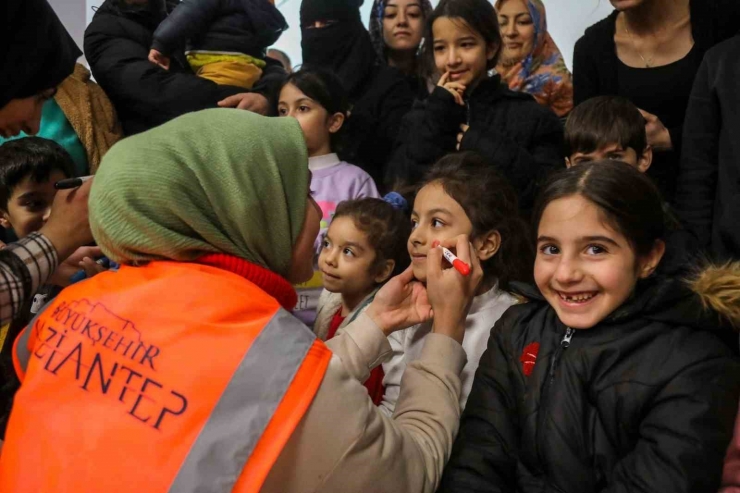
29,168
226,39
607,127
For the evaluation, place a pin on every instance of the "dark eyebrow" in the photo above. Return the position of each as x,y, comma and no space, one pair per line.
466,38
353,244
603,239
440,210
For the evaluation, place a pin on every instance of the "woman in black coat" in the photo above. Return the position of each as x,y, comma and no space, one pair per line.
708,194
334,38
117,44
649,52
617,375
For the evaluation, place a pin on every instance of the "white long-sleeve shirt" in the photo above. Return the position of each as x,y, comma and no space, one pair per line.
407,344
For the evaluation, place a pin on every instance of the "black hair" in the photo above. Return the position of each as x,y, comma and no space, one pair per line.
491,204
283,57
324,87
602,121
479,15
30,156
387,228
630,201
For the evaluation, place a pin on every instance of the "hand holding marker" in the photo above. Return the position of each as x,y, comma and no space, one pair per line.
103,262
458,264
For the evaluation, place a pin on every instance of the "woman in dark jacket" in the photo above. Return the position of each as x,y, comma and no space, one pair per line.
650,53
334,38
510,130
397,32
615,376
708,192
117,44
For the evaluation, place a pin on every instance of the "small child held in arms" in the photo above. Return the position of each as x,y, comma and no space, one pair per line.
462,195
364,247
226,40
607,127
318,101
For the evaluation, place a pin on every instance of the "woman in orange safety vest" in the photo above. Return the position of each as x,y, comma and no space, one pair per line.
185,372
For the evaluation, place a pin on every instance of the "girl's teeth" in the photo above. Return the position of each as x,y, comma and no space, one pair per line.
578,297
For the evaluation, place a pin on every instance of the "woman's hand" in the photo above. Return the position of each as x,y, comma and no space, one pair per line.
455,88
159,59
658,136
460,136
250,101
449,292
401,303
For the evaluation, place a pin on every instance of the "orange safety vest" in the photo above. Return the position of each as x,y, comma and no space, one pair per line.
170,377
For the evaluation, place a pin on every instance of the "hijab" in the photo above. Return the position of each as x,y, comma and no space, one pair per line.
214,181
542,73
342,46
37,51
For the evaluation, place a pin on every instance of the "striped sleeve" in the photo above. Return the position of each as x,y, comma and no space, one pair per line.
24,267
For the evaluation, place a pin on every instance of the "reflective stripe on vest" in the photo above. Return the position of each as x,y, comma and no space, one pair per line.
240,417
20,346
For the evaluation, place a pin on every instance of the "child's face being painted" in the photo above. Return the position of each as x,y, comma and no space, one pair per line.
315,121
346,261
436,216
29,205
460,51
614,152
584,267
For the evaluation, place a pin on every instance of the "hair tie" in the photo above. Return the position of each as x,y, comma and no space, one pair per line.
397,201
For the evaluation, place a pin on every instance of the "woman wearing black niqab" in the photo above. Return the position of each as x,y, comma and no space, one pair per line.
37,54
334,38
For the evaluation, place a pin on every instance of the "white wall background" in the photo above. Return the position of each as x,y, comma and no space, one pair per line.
567,20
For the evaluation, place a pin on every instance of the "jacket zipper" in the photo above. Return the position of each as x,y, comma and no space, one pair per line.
564,344
467,112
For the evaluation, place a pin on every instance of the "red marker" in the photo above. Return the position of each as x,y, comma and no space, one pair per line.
458,264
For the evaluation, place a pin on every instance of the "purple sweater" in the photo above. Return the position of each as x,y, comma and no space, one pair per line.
333,181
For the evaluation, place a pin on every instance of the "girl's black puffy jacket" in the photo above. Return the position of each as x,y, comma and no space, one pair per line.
515,134
643,402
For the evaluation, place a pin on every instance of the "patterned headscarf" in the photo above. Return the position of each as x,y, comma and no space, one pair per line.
376,24
542,73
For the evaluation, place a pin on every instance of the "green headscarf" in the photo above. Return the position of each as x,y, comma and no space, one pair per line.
214,181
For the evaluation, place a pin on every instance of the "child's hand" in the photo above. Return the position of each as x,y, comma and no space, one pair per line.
63,275
455,88
91,267
463,128
401,303
159,59
449,292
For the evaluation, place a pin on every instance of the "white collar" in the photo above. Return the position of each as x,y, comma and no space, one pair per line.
322,162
